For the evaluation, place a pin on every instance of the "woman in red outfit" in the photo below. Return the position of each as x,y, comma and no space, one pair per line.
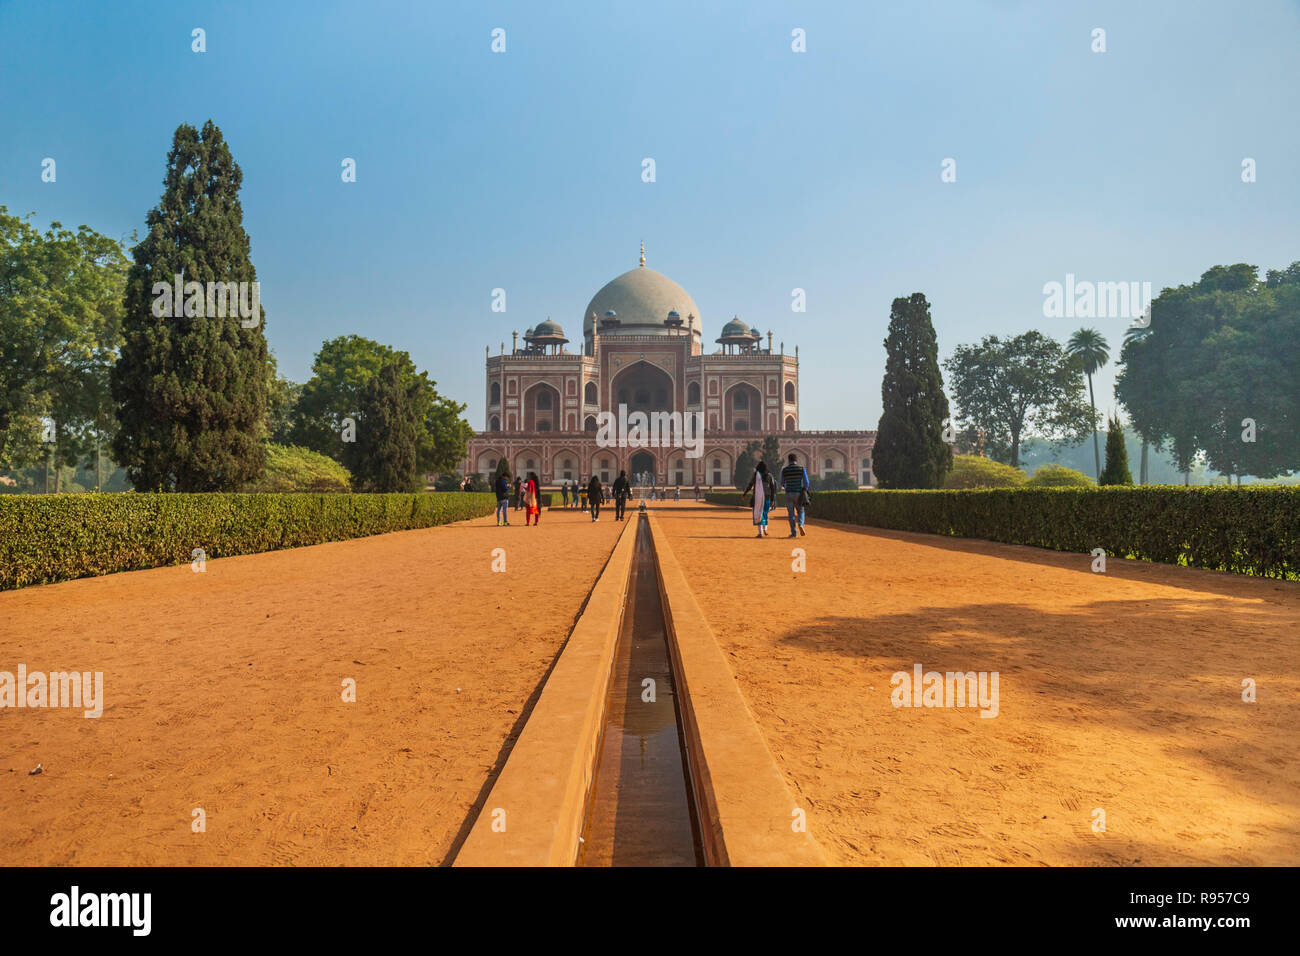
532,501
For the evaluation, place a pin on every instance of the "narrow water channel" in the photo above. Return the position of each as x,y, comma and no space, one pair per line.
640,811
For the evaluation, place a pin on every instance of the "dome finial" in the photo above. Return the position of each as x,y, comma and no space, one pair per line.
642,253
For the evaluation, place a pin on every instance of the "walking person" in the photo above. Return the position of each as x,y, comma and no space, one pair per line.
519,492
564,492
532,501
621,490
582,498
502,487
697,491
764,488
595,497
794,478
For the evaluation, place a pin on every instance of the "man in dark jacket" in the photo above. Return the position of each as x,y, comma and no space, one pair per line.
595,497
621,490
502,488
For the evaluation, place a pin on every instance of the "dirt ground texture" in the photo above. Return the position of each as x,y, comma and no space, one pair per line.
1118,691
224,693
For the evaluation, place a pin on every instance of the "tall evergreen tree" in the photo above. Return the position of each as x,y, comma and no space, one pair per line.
383,458
1116,471
910,451
746,462
191,390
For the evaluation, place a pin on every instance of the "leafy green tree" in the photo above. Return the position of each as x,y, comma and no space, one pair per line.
910,450
383,457
1215,368
1008,389
191,389
1092,352
772,453
342,367
60,324
1137,334
281,399
1116,472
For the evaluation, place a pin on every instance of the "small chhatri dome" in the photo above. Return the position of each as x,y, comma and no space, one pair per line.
735,327
547,335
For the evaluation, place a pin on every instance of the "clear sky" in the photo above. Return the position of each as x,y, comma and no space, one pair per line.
775,169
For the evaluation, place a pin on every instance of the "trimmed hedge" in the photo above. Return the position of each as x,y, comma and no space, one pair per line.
47,538
1252,530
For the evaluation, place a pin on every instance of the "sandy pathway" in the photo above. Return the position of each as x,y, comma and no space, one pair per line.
224,693
1119,691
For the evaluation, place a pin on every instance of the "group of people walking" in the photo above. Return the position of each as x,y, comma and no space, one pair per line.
527,496
794,479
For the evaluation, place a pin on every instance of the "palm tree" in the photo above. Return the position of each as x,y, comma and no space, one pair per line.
1136,333
1093,353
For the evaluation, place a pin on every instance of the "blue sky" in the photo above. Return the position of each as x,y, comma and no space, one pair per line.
775,170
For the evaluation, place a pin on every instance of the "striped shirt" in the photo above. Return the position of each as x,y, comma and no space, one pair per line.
794,478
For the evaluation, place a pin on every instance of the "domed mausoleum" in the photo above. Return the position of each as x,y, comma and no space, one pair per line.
642,351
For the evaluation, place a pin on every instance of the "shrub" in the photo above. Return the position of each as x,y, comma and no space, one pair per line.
292,468
972,471
1058,476
45,538
1250,530
832,481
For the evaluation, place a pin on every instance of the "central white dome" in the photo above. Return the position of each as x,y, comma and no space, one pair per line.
642,298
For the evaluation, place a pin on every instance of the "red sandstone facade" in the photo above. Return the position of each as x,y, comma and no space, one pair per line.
543,402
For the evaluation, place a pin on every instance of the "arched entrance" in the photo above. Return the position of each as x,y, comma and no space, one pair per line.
642,462
643,387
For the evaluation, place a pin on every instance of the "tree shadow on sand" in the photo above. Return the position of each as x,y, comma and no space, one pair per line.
1112,673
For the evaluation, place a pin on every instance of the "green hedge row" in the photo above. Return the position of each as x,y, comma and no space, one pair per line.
46,538
1246,530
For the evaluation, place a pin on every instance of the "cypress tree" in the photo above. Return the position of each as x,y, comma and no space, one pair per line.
191,387
383,458
910,451
1116,471
745,465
